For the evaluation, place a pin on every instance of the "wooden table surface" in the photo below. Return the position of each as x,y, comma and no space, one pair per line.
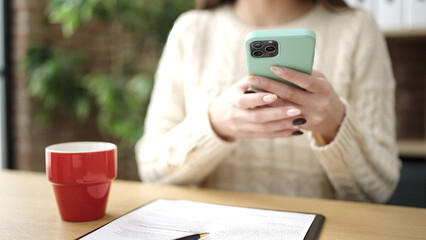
28,210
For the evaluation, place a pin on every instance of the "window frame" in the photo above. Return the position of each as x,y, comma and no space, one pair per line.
7,75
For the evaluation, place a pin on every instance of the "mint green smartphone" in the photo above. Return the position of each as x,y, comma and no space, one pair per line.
292,48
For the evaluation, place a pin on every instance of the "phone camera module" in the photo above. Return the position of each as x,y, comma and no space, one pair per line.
265,48
270,48
257,44
257,53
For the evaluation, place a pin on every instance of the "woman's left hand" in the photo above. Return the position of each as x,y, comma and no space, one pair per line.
322,110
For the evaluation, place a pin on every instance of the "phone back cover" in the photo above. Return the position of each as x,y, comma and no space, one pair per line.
296,49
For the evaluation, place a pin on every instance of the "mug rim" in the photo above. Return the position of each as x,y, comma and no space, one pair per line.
96,146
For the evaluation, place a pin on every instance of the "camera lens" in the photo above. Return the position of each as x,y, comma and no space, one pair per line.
270,48
257,53
257,44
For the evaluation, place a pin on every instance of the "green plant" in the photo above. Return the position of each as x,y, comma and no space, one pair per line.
61,79
55,80
121,104
141,16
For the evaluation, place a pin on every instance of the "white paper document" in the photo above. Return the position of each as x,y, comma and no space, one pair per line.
169,219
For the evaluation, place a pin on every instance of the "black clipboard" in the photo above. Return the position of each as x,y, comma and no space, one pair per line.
312,234
314,230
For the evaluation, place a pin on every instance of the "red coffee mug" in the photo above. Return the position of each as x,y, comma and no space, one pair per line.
81,174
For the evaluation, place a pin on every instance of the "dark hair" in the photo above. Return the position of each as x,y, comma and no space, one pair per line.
329,4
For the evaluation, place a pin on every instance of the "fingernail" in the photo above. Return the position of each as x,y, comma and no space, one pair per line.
254,80
293,112
270,98
299,121
297,133
277,70
249,91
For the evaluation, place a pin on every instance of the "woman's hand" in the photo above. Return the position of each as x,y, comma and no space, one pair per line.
322,110
239,115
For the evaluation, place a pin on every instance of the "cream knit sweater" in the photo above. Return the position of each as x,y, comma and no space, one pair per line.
205,54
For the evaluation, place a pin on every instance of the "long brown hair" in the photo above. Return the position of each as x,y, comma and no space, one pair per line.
329,4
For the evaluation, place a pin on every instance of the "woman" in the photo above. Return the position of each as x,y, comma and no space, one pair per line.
204,128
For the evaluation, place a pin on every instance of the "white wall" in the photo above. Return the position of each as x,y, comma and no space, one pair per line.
396,14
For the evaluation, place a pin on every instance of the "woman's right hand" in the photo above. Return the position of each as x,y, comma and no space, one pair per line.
255,115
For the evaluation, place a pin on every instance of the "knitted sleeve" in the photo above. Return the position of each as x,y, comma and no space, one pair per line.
177,147
362,162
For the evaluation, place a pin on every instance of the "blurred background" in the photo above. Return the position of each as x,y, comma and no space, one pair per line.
74,70
80,70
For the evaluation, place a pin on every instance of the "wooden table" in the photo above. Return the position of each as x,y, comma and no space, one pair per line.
28,210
